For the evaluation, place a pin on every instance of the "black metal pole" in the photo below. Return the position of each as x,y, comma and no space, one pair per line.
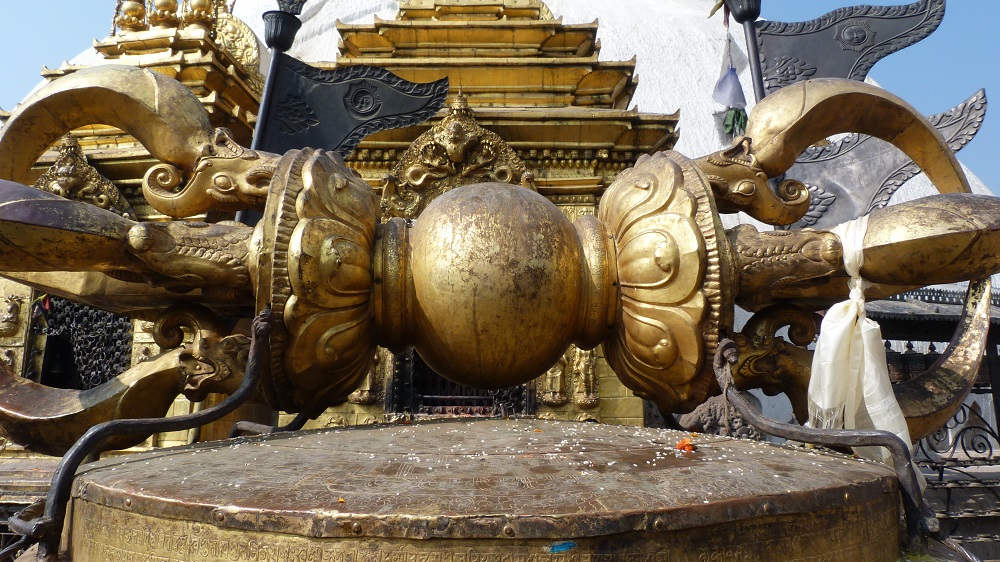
750,30
279,32
746,12
280,28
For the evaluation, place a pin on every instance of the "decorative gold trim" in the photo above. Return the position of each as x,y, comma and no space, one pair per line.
455,152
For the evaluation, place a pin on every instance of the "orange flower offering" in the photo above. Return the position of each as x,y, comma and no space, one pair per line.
685,445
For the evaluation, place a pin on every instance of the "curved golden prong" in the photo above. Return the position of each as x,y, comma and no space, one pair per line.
787,122
202,168
932,398
161,113
49,420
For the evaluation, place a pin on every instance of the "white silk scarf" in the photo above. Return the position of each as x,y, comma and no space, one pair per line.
849,386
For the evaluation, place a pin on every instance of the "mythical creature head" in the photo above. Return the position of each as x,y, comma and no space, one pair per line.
201,167
792,119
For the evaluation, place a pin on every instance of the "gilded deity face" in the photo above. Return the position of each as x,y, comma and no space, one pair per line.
66,178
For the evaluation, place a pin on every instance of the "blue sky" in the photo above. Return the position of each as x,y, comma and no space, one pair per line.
934,75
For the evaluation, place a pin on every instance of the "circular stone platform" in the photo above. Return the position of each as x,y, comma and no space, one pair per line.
481,491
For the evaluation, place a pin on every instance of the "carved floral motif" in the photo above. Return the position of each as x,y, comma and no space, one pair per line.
238,39
319,281
788,70
666,238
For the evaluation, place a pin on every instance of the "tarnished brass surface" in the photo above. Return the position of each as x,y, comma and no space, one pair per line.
492,283
788,121
488,490
313,255
159,112
177,255
929,240
50,420
927,398
480,290
739,183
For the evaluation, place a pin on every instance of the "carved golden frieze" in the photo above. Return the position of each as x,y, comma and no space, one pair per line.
491,10
455,152
72,177
238,39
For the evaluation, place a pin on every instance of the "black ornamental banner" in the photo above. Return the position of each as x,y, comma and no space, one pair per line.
844,43
335,109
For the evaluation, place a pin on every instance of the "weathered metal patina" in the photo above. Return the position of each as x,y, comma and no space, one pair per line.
490,284
654,276
486,490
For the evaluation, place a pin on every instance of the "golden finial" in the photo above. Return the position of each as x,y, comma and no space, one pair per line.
130,16
163,14
198,13
460,105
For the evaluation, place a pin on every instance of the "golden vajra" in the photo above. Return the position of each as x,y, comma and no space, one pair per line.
491,283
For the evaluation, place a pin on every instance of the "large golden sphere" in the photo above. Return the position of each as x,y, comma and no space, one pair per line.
496,284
